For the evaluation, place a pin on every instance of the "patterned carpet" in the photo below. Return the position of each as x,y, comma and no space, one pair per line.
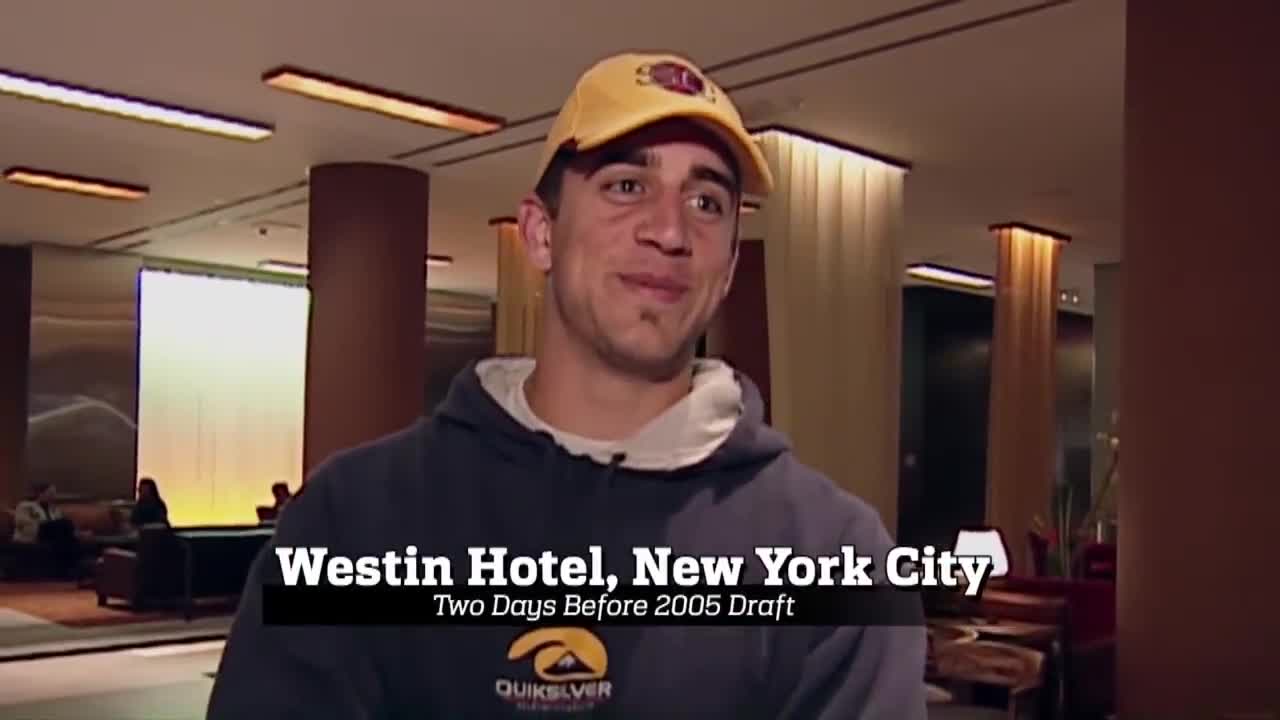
71,606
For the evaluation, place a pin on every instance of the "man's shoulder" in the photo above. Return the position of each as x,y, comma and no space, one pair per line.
791,481
360,493
394,457
802,501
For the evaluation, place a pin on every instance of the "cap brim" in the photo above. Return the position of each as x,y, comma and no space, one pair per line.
757,180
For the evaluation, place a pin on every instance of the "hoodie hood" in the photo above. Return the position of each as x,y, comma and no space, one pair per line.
720,423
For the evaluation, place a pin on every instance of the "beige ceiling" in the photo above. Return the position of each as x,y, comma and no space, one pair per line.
1006,109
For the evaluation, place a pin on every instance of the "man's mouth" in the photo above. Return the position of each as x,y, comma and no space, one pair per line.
662,288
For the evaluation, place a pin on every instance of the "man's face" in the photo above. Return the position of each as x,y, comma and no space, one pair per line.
643,247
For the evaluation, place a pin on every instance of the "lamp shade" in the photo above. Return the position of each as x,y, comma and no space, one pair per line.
984,541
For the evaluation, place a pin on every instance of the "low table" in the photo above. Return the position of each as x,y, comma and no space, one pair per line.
1036,636
216,562
175,566
1016,631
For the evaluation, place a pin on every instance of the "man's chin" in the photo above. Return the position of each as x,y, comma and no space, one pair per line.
657,364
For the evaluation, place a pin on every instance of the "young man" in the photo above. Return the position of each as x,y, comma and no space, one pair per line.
613,435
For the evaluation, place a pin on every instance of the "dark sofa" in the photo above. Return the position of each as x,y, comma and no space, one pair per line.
99,524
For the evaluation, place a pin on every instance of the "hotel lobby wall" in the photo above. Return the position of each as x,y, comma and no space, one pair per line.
946,368
69,351
459,330
739,334
82,372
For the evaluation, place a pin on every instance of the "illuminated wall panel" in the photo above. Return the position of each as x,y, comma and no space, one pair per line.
222,373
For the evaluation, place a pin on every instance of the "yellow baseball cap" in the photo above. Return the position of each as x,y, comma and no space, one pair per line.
626,92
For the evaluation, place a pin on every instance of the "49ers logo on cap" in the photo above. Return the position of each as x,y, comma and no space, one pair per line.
676,78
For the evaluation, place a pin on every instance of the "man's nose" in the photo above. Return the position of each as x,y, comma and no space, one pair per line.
664,226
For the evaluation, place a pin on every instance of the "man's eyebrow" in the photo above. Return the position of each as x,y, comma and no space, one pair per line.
710,174
639,157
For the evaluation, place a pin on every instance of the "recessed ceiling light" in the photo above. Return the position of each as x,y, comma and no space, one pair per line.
83,98
363,97
47,180
949,276
293,268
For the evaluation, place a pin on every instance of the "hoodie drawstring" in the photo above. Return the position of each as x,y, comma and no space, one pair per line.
600,503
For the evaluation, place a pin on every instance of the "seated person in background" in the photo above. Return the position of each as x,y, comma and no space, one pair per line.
280,491
34,512
38,520
150,508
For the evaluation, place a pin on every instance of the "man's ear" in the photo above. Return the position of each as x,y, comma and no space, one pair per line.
534,223
733,267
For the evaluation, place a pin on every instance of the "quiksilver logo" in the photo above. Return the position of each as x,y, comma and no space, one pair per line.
569,664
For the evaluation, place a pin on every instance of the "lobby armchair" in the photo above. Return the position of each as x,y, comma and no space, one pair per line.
1089,641
148,576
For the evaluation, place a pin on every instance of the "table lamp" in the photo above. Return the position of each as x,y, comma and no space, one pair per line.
984,541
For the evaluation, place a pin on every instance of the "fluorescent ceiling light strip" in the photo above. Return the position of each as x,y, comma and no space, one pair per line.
131,108
949,276
353,95
68,183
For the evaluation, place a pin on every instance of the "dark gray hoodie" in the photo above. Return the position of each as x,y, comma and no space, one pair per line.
706,478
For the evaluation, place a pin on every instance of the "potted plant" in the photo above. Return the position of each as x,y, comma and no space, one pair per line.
1067,535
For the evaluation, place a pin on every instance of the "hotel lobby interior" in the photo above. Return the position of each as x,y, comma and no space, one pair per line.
1009,239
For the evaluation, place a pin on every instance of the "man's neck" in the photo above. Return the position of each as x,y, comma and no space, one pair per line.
594,401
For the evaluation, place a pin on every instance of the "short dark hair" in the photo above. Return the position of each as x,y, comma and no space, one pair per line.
551,184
